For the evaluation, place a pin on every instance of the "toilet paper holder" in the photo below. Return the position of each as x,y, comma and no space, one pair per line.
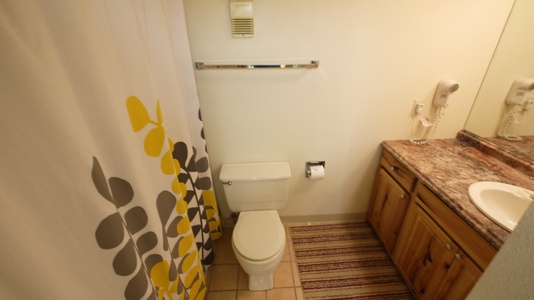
310,164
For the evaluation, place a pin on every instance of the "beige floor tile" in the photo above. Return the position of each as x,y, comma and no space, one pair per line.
242,282
251,295
224,278
228,295
288,232
295,271
208,275
282,293
228,281
283,276
224,254
287,254
291,251
226,236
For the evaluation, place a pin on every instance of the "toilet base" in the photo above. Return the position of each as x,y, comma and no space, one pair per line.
260,282
260,270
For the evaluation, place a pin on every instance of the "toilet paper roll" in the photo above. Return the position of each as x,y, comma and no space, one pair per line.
316,172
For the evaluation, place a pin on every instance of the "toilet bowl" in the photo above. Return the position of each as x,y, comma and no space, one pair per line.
259,242
257,191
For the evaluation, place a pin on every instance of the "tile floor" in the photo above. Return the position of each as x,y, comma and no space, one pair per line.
227,280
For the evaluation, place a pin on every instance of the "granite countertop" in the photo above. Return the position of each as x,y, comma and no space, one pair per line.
525,146
448,167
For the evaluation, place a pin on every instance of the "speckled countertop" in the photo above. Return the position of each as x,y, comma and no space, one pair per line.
448,167
524,147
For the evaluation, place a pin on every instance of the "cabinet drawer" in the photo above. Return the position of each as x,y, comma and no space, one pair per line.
480,251
399,172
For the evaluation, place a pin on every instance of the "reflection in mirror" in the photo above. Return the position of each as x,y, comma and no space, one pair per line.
518,103
513,59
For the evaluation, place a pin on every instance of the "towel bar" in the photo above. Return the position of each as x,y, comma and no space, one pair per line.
312,65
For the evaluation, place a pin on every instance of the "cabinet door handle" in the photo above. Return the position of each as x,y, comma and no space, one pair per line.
448,247
458,257
402,196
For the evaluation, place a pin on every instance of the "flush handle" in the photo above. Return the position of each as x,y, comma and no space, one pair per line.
227,182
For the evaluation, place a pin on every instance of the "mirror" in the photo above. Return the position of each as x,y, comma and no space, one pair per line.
513,58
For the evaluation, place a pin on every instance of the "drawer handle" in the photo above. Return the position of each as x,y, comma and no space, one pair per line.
393,168
448,247
458,257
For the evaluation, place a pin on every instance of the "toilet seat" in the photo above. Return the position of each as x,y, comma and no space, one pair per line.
258,235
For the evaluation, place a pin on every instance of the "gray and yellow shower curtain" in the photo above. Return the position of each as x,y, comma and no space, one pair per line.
105,184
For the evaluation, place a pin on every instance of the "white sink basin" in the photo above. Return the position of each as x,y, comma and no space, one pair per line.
503,203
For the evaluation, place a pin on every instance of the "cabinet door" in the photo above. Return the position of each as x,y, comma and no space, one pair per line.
460,279
388,209
424,253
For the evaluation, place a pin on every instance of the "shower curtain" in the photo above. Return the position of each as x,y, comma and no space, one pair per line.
105,185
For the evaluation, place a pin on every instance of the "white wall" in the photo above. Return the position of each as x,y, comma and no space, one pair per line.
375,58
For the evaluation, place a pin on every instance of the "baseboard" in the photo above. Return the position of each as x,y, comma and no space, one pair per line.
230,222
324,218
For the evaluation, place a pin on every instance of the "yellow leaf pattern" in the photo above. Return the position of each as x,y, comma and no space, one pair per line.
138,113
189,261
160,277
158,112
185,245
169,165
196,289
183,226
209,199
192,277
177,162
181,207
176,186
154,141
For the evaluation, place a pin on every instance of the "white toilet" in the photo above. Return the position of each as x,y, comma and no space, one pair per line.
256,191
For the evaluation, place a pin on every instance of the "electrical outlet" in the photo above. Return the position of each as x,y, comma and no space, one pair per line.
417,108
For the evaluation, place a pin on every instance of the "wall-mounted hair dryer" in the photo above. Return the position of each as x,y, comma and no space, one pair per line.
444,89
519,90
518,103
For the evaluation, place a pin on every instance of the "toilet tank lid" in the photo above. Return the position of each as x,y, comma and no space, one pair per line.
255,171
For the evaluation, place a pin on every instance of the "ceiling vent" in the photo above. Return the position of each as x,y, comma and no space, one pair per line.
242,18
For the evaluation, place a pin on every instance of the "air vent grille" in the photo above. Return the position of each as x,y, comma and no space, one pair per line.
242,27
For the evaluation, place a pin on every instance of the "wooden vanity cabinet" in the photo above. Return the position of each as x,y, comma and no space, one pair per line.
474,245
438,254
433,262
391,196
430,261
460,279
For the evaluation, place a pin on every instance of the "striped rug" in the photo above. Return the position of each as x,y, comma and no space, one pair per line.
345,261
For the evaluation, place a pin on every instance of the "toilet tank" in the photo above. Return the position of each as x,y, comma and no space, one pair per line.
256,186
